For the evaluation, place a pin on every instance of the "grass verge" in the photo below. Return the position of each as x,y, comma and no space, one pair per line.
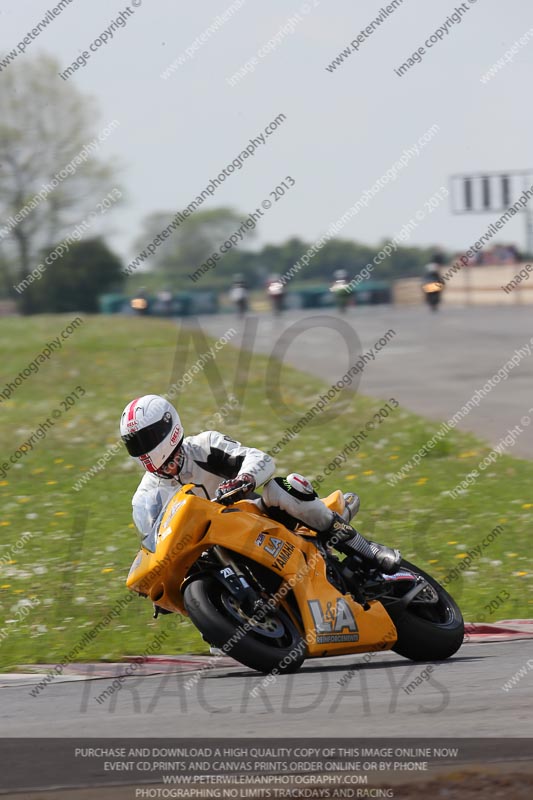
65,554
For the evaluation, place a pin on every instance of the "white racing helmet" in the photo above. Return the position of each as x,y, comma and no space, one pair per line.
151,429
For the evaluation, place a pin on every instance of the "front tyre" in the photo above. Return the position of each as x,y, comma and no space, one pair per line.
267,644
431,628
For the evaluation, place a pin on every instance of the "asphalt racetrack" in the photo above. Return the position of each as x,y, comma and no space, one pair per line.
344,696
432,365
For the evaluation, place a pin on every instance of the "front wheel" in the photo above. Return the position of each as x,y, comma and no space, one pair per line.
431,628
268,643
433,301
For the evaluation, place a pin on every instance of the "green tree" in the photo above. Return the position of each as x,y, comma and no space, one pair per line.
187,248
45,124
76,280
341,254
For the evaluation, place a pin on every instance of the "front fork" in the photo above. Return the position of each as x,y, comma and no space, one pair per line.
235,581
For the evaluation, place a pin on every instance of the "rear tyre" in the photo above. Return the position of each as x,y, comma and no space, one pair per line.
428,631
272,643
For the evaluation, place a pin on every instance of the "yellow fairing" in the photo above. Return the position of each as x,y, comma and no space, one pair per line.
333,623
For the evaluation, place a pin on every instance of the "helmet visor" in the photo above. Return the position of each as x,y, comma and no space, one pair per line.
138,443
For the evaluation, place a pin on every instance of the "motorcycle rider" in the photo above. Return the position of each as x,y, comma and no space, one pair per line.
276,292
223,469
432,283
432,269
340,289
239,294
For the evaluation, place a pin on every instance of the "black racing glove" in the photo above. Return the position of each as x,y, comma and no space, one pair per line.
235,489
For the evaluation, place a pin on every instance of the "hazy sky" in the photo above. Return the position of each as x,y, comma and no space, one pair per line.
343,129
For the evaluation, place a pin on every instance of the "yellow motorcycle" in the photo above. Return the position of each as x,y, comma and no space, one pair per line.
271,597
432,290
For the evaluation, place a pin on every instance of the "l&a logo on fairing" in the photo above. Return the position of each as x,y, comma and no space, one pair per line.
334,625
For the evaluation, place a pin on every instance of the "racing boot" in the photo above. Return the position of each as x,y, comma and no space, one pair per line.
349,541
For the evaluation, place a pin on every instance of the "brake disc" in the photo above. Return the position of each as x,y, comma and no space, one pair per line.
269,626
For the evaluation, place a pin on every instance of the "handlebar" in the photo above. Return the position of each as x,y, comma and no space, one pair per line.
237,489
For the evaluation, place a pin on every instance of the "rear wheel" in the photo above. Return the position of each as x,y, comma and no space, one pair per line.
267,643
431,627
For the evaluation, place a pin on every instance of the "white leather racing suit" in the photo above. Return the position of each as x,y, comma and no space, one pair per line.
206,460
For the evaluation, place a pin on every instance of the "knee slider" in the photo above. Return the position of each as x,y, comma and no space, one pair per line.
297,486
277,503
